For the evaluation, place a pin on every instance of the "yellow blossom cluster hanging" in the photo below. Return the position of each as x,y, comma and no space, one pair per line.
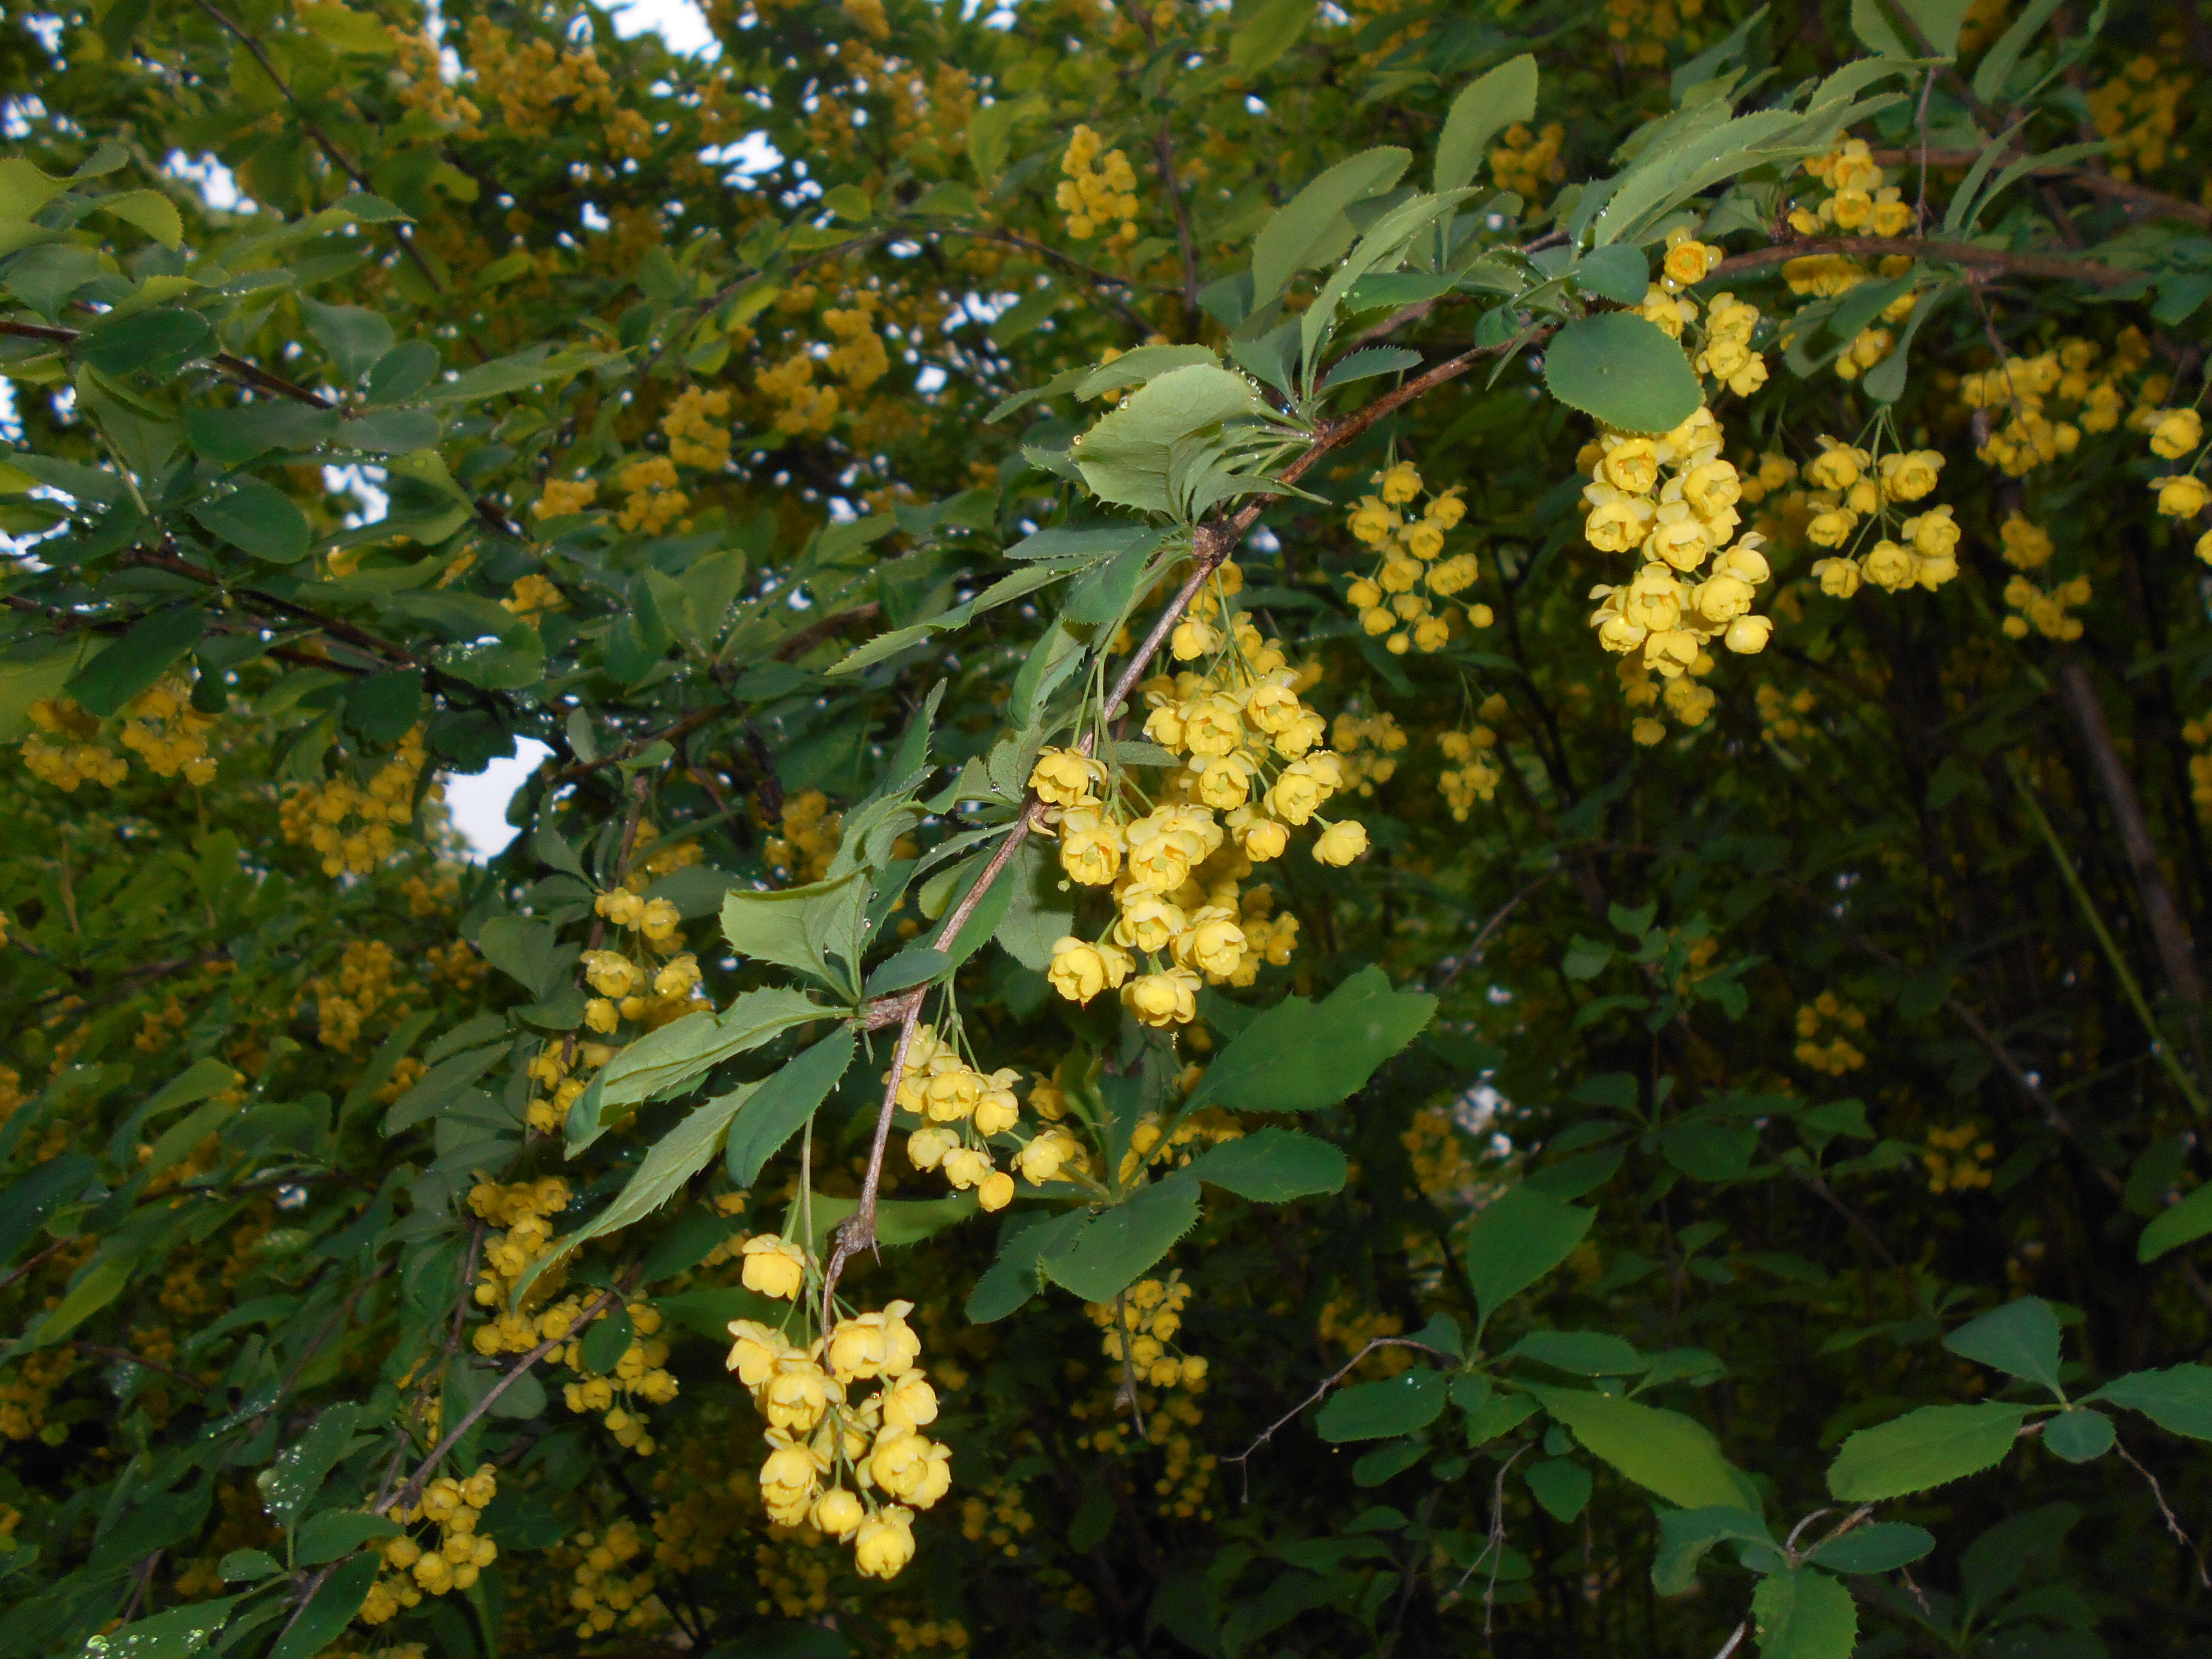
562,497
534,596
1142,1327
1409,554
1526,161
1672,499
1826,1026
605,1590
808,841
2027,546
449,1562
854,1469
1643,29
693,424
964,1110
640,1373
1957,1159
2178,434
350,824
2136,111
1253,774
162,728
366,983
1100,187
1850,487
651,501
2074,372
1474,775
79,756
1860,199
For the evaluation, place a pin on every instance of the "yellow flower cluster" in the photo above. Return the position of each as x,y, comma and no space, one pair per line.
1477,775
1100,186
1367,745
819,1438
1861,200
1152,1142
79,757
1957,1159
1779,717
550,1072
1409,554
1829,1015
1525,160
651,501
964,1110
636,987
562,497
1143,1324
1175,869
695,436
522,1211
2136,112
802,854
366,983
1850,486
24,1398
996,1516
450,1562
318,814
534,596
605,1590
528,80
418,76
1672,499
1727,355
858,358
1643,29
164,730
1437,1152
807,407
2178,434
640,1373
2069,373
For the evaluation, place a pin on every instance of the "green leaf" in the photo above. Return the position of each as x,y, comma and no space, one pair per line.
43,1189
801,927
176,1634
671,1059
1581,1353
1125,458
1299,1056
1618,272
1135,368
1310,228
2078,1435
1518,1238
1923,1450
2177,1399
1365,365
1623,369
332,1533
529,952
258,518
94,1288
785,1100
136,661
1684,1536
151,211
1804,1614
1485,108
248,1564
1273,1166
1938,21
297,1472
382,708
1882,1547
1038,914
330,1609
1382,1410
2000,60
355,338
990,138
1562,1486
1116,1248
2179,1225
2020,1339
24,189
1263,30
517,372
1663,1451
1007,588
154,341
234,436
671,1161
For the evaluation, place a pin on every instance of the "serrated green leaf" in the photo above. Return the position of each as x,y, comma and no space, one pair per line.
1404,1404
777,1106
2020,1339
1299,1056
1923,1450
1518,1238
1273,1166
1802,1614
1310,228
136,661
1622,369
1882,1546
1119,1244
1491,103
1684,1536
1663,1451
2177,1399
801,927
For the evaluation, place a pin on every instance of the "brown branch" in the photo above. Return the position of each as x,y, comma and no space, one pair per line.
2135,198
2173,1522
237,368
2058,267
406,1496
1242,1459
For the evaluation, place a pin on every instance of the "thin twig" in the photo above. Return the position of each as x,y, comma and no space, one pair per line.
1242,1459
2056,266
1473,954
2172,1523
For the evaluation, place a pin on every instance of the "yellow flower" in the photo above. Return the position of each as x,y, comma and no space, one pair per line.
1688,261
1341,842
1632,465
1887,566
1910,476
885,1544
754,1354
965,1167
1749,635
1168,998
925,1148
1212,942
2177,431
795,1397
1838,578
1372,522
838,1513
1399,484
1298,794
1089,846
873,1343
1837,466
1042,1159
2181,496
1934,534
774,1266
1065,778
1080,971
